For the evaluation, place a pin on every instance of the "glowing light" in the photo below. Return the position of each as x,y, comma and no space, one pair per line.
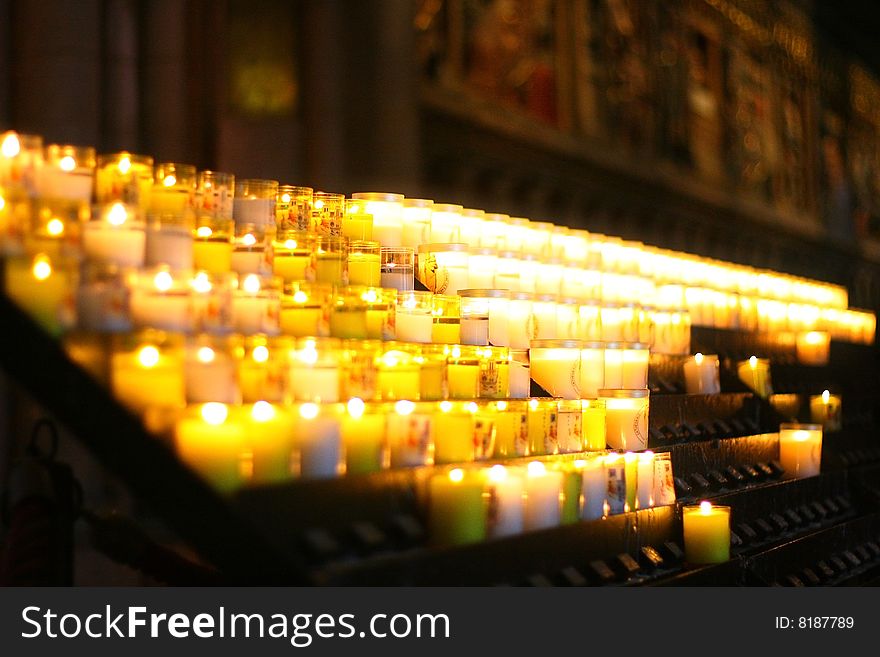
370,296
205,355
698,358
456,475
285,198
536,469
55,227
163,281
705,507
446,406
533,404
356,407
117,214
262,411
42,269
124,165
67,163
249,240
404,407
201,283
11,146
319,204
204,232
300,297
501,406
309,411
290,244
753,362
251,284
497,473
471,407
148,356
260,354
826,395
170,181
215,413
309,356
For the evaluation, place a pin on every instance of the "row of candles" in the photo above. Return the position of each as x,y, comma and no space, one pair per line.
209,220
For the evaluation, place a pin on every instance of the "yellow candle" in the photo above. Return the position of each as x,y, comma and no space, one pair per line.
755,373
212,443
446,312
593,423
463,372
148,377
260,373
825,410
813,348
511,428
432,375
457,512
363,434
270,439
398,376
542,426
800,449
706,533
212,252
305,310
43,290
454,437
363,264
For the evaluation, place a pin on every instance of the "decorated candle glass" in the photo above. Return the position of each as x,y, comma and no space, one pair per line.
800,449
594,488
314,370
511,427
454,432
397,374
397,268
456,508
56,227
269,439
706,533
446,314
593,411
484,430
211,440
250,254
305,309
358,365
410,433
331,260
363,434
116,236
645,480
463,372
446,223
254,203
555,366
414,318
261,365
443,268
214,193
506,489
45,288
543,497
755,373
381,317
318,439
210,369
161,299
146,370
626,418
212,244
169,240
21,158
416,222
126,178
102,298
635,365
542,426
364,264
211,301
615,483
825,410
174,189
570,428
494,372
521,325
293,255
256,305
293,208
701,375
813,348
387,212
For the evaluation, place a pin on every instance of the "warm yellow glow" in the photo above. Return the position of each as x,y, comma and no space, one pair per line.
201,283
629,457
370,296
251,284
205,355
705,507
501,406
215,413
814,337
536,469
753,362
471,407
2,202
456,475
392,358
698,358
124,165
67,163
533,404
55,227
497,473
446,406
290,244
356,407
409,302
319,204
826,396
300,297
42,268
309,356
148,356
117,215
262,411
11,146
285,198
249,239
309,411
644,457
163,281
260,354
404,407
456,351
204,232
800,435
170,181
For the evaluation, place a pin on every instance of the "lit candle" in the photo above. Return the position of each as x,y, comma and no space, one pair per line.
254,202
456,509
592,372
124,177
645,480
506,513
520,379
260,372
212,443
825,410
305,310
446,223
446,314
701,375
521,327
594,489
706,533
481,268
397,268
293,256
593,424
454,437
44,290
410,432
256,305
443,267
148,377
174,189
569,431
543,438
610,323
397,375
511,428
314,370
363,263
363,434
614,365
432,373
626,418
331,260
543,497
631,465
293,208
319,439
572,484
474,318
210,372
813,348
387,212
755,373
270,431
800,449
463,373
634,365
214,193
664,483
416,222
68,173
159,300
615,483
555,366
544,313
414,319
115,238
213,244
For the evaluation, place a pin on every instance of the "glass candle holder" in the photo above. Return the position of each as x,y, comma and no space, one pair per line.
507,270
146,371
364,266
397,374
542,426
387,212
314,372
416,222
516,233
548,276
256,305
261,364
359,371
544,312
446,317
825,409
356,223
318,450
211,298
463,372
570,427
210,439
443,268
211,369
567,326
161,299
116,236
445,223
701,375
21,159
68,174
102,298
481,267
213,244
331,260
56,228
492,230
800,450
612,327
124,178
381,316
646,326
474,319
169,241
363,435
410,433
616,484
521,323
629,322
45,288
414,316
327,212
496,302
511,427
505,487
348,314
755,373
594,487
528,273
613,365
634,372
593,411
456,508
590,321
433,383
706,533
626,418
249,252
305,309
174,189
592,369
269,432
543,507
555,366
293,208
470,228
813,348
293,255
254,203
215,191
520,379
494,372
397,268
454,432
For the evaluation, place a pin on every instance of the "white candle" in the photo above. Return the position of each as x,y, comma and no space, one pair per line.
481,268
256,307
825,410
569,426
319,438
613,365
626,418
634,366
615,482
475,330
115,239
594,490
257,211
169,245
410,432
506,509
544,309
314,383
701,375
72,185
543,491
592,373
800,449
664,484
444,267
555,366
158,301
387,212
210,375
813,348
645,481
413,326
520,380
520,321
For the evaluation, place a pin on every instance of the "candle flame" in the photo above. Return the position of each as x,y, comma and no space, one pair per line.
501,406
814,337
201,283
536,469
471,407
163,281
753,362
533,404
356,407
497,473
11,146
260,354
251,284
148,356
644,457
698,358
705,507
249,239
204,232
309,355
826,396
319,204
205,355
214,413
67,163
300,297
42,268
2,202
290,244
285,198
630,457
800,435
262,411
309,411
55,227
170,181
404,407
370,296
445,406
117,214
124,165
